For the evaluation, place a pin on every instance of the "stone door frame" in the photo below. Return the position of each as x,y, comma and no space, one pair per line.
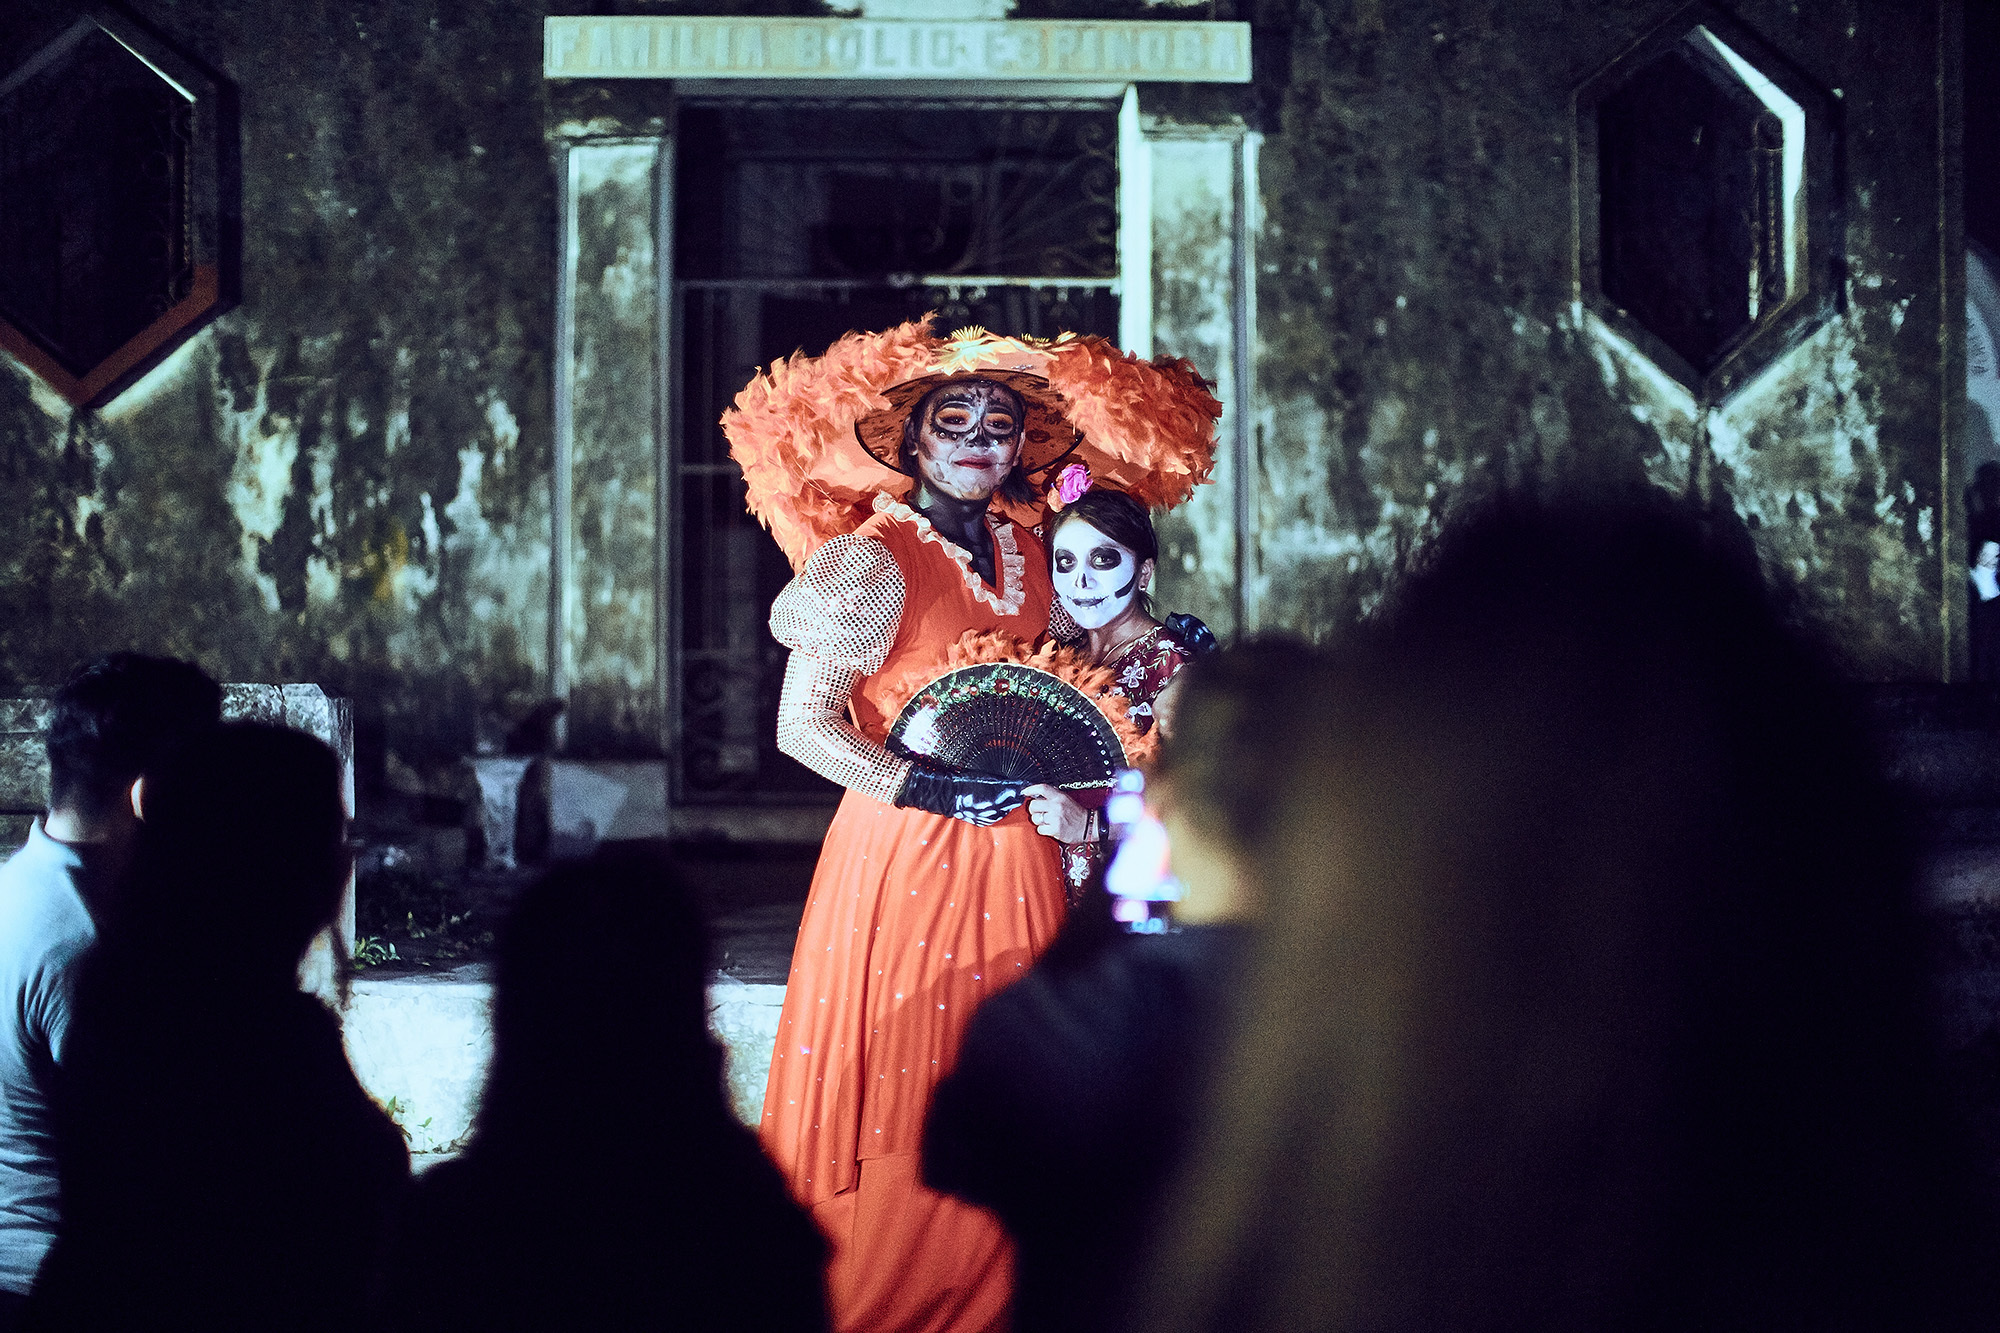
611,651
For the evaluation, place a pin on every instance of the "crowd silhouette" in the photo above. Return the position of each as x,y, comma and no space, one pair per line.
220,1165
1550,959
608,1183
1598,1001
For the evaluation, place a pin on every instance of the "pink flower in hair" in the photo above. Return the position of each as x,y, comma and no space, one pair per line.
1070,486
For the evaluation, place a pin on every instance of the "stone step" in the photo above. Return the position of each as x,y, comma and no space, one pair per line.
420,1046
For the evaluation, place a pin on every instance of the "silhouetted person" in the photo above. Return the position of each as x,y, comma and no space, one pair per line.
1982,593
1073,1100
109,724
607,1185
1594,997
221,1167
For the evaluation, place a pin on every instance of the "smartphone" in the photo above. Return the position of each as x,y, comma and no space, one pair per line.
1140,877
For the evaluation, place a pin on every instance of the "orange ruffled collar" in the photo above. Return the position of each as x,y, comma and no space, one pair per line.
1011,565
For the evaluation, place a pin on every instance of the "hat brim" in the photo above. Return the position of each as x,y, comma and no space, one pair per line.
1046,435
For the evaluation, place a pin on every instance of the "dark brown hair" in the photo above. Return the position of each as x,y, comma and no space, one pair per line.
1116,515
117,717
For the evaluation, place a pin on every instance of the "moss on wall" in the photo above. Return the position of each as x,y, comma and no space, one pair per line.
344,480
1420,346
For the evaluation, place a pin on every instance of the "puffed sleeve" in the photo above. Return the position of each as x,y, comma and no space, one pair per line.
845,605
839,617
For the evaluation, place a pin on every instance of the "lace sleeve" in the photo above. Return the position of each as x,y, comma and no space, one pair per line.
839,617
845,605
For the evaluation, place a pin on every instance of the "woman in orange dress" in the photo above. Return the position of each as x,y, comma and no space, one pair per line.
933,888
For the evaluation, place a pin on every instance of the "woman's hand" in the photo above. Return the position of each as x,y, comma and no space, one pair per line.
1056,813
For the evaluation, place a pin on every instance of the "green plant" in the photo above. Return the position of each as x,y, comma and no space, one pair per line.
368,951
394,1108
433,918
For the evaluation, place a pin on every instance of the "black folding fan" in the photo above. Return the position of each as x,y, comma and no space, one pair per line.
1006,720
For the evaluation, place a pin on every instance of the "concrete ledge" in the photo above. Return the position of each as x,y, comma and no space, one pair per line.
420,1045
804,825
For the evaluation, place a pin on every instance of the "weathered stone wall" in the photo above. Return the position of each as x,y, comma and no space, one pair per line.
347,479
1420,345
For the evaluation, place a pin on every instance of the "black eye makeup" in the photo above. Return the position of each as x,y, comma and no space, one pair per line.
1100,557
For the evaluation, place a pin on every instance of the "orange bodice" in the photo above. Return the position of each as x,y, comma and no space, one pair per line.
913,920
943,598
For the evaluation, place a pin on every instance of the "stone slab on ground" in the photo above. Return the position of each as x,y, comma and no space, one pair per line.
499,779
744,1016
420,1046
604,801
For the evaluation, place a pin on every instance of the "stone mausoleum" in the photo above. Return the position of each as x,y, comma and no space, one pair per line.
380,347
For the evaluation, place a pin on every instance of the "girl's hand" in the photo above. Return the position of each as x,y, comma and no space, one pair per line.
1056,813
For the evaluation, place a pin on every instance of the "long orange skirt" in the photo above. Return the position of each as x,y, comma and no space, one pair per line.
913,920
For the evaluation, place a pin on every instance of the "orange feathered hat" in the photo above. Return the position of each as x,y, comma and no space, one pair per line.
816,437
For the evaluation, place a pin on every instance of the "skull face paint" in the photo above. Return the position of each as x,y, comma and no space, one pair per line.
1096,577
969,438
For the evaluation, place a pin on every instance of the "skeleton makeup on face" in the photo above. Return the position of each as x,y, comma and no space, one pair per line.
1096,577
969,438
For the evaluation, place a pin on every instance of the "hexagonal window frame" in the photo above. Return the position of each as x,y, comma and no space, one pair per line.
205,220
1812,244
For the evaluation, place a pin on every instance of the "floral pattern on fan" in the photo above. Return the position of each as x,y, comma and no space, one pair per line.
1005,720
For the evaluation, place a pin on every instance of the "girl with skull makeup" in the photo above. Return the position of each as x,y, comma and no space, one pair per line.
894,470
1102,554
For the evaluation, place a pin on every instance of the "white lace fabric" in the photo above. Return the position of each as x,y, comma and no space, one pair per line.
844,606
839,617
815,729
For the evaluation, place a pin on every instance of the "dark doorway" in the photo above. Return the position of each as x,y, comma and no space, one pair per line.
795,223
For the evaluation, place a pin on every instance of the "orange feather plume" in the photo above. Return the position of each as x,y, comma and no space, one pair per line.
1148,428
792,432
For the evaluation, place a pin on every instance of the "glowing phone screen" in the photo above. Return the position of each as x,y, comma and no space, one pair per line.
1140,876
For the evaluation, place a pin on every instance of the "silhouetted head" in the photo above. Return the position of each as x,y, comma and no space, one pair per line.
1238,724
1985,487
600,1016
114,719
1224,774
1595,994
243,855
